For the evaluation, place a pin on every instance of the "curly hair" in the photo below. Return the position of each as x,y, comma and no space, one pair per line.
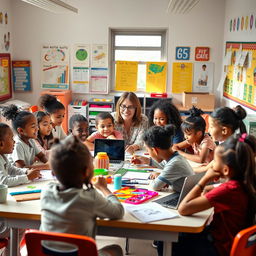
171,112
50,103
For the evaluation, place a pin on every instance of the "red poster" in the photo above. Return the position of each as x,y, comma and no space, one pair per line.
202,53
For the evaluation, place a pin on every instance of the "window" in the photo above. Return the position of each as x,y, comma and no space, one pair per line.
137,45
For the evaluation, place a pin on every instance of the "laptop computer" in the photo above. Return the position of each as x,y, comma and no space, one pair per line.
115,150
173,200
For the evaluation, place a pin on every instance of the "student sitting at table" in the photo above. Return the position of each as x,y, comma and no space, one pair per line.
79,126
9,174
234,201
66,206
25,150
194,130
105,129
174,166
163,112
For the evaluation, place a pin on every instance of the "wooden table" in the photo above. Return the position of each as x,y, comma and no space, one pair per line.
27,215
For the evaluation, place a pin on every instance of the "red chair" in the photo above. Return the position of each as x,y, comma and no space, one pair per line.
244,243
3,242
33,109
77,245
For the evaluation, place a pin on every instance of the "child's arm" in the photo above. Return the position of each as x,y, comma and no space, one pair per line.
203,168
182,145
89,145
194,201
90,141
196,158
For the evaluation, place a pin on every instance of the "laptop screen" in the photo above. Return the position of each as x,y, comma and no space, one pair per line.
114,148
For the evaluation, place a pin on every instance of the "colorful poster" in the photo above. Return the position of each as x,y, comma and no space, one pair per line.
182,77
203,77
126,76
80,68
21,75
202,53
240,84
5,76
156,77
99,56
99,80
55,67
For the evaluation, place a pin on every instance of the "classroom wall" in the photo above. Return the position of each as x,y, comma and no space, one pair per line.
234,9
203,26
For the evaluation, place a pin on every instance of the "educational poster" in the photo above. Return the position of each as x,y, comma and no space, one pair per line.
182,77
5,76
99,56
156,77
99,80
80,68
126,76
21,71
203,77
55,67
240,83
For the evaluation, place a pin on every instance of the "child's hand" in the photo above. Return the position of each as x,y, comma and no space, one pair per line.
154,175
99,182
175,147
130,149
111,137
212,175
33,174
139,160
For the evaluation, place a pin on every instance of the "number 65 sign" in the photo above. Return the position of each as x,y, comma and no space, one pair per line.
182,53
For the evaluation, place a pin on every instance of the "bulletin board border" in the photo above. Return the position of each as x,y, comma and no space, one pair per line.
245,46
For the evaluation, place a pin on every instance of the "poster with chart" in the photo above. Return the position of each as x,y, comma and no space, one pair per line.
156,77
80,68
203,77
182,77
55,67
240,83
99,80
99,56
126,76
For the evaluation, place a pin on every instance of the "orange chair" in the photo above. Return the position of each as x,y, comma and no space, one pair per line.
76,245
244,243
33,108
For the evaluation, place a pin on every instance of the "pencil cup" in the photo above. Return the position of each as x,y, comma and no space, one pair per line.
3,193
117,181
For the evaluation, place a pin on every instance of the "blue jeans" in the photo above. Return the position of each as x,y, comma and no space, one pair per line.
199,244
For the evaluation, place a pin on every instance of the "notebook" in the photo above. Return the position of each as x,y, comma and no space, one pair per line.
115,150
173,200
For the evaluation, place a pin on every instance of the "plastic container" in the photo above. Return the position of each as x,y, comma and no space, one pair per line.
100,172
117,181
101,161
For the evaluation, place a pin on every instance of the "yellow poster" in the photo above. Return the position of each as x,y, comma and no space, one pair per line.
156,77
126,76
182,77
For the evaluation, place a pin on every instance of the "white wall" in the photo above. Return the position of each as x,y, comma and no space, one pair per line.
203,26
235,9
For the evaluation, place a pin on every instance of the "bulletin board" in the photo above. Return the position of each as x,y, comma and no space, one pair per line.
240,83
5,76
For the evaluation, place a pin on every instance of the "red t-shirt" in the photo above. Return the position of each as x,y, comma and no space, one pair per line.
230,203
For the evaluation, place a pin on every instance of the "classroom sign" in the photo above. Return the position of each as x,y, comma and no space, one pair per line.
202,53
55,67
156,77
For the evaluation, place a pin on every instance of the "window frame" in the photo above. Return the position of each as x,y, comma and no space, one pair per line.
163,32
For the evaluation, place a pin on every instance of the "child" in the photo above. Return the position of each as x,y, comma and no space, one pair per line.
163,112
69,208
194,130
9,174
25,150
223,122
105,129
44,135
78,126
56,110
174,167
234,201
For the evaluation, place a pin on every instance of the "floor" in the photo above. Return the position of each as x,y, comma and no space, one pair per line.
136,247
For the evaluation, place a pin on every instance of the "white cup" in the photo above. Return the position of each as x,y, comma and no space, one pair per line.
3,193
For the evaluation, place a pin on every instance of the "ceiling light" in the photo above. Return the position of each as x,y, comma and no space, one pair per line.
56,6
181,6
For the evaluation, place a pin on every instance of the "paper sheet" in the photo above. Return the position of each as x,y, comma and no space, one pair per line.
136,175
150,212
47,175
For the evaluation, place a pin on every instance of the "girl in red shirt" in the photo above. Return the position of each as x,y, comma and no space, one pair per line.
234,201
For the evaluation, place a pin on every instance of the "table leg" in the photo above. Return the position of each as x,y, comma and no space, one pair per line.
167,248
14,242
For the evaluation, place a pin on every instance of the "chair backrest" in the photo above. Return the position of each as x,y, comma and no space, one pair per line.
245,243
33,108
38,243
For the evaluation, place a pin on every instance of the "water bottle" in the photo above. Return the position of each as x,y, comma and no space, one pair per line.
117,181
